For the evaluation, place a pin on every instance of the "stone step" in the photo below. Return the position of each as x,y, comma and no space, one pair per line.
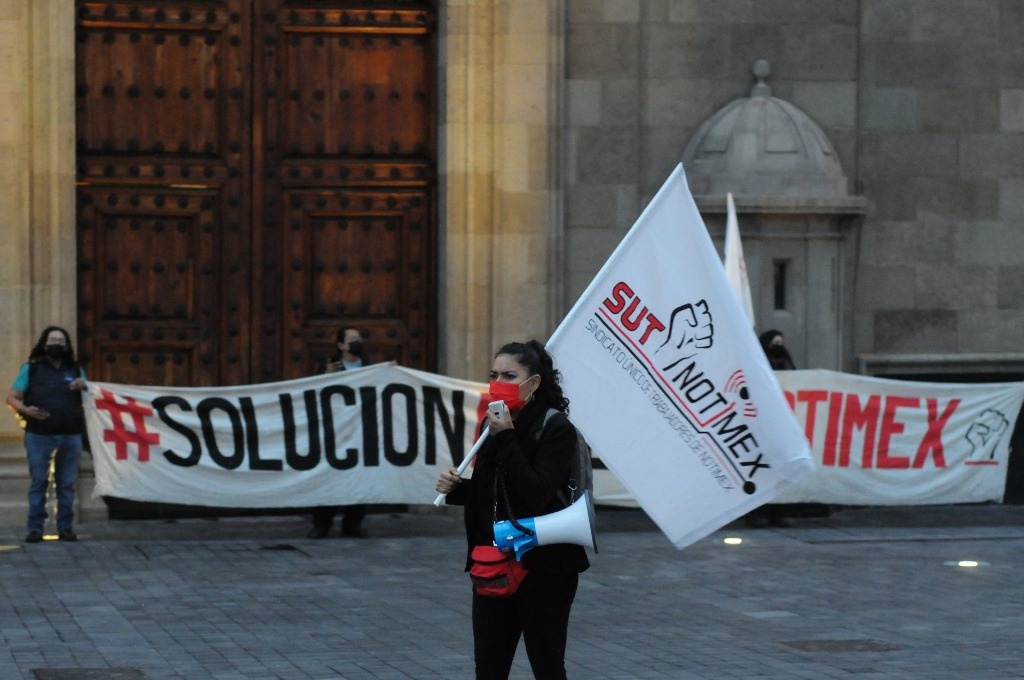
14,483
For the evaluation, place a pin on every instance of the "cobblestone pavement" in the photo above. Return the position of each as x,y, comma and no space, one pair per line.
862,594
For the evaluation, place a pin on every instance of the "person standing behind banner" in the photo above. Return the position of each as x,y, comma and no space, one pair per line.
531,462
47,395
773,343
349,356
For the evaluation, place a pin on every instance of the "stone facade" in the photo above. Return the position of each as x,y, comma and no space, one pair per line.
37,180
922,102
561,119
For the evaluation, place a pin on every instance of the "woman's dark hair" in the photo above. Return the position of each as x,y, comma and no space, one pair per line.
339,337
537,361
38,352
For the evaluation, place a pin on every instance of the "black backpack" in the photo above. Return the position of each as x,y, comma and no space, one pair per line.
581,469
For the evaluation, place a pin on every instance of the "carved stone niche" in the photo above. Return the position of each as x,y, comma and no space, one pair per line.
798,224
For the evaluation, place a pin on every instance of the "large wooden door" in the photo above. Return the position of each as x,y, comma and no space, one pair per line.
254,175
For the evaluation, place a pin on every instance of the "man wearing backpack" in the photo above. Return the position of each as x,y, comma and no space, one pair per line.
47,395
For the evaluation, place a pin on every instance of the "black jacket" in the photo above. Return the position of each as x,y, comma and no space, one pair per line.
534,460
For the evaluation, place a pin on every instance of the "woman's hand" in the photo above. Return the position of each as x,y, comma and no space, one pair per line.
35,412
496,424
448,480
77,384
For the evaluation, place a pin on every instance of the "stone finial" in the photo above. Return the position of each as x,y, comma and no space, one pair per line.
762,69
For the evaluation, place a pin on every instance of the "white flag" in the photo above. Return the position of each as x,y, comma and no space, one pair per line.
668,382
735,265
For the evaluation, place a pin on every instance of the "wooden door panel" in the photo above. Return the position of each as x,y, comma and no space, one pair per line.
253,175
147,280
347,156
353,256
373,83
164,146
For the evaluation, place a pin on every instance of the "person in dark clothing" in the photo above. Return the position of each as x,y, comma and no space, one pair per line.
774,345
349,356
526,463
47,395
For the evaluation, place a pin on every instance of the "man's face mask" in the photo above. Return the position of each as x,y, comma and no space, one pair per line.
355,348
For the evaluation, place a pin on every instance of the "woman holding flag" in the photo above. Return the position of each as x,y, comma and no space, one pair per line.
518,473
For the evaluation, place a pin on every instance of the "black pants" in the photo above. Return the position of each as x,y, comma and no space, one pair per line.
539,612
352,516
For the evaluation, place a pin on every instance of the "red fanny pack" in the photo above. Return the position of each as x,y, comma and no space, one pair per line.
495,573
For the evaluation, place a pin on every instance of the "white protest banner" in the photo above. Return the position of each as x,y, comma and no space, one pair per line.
668,382
896,442
379,434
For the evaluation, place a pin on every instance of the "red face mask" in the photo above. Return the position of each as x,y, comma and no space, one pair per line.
508,393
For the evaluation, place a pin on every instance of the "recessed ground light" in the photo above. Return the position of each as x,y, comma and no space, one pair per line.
733,540
966,564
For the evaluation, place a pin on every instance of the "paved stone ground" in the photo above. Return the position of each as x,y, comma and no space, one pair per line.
863,594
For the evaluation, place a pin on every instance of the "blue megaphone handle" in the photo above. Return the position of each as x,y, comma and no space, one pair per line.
507,537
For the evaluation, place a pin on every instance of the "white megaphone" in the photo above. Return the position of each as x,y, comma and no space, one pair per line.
575,524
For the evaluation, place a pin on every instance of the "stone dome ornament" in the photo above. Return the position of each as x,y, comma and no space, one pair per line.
763,146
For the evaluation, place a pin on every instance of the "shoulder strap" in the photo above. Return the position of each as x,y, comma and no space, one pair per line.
565,498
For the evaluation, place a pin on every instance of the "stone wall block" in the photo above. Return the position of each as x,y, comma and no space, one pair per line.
913,65
881,288
761,11
953,198
945,22
948,110
955,287
889,109
606,155
992,155
830,104
916,243
888,201
910,155
620,102
1011,23
1011,198
600,205
989,243
991,330
583,102
1010,287
686,103
825,52
915,331
888,19
603,51
1011,110
689,51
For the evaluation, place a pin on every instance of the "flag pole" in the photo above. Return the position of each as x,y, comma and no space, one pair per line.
465,462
